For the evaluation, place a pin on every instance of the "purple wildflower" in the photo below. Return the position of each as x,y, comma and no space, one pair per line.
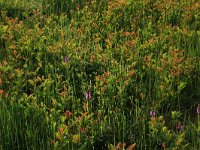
88,95
198,109
179,127
66,59
152,113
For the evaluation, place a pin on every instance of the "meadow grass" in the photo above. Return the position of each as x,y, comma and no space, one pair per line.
99,74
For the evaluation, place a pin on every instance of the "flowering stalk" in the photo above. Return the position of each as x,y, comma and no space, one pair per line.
88,95
152,113
66,59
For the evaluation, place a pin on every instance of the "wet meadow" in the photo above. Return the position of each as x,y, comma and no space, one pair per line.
99,74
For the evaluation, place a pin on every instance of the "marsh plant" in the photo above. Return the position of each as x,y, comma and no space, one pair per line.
95,74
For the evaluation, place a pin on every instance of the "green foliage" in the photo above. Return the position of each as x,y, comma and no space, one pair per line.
86,74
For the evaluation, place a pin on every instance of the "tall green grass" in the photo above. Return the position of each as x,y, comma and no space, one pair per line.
99,74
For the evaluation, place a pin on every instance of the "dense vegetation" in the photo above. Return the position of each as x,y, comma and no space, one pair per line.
98,74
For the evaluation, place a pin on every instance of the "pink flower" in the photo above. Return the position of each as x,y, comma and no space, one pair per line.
198,109
152,113
66,59
88,95
179,127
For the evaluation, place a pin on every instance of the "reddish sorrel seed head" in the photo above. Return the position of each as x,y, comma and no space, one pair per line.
68,114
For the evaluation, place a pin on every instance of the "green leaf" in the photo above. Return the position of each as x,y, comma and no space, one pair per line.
181,86
180,139
62,118
176,114
5,28
31,82
76,138
110,147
